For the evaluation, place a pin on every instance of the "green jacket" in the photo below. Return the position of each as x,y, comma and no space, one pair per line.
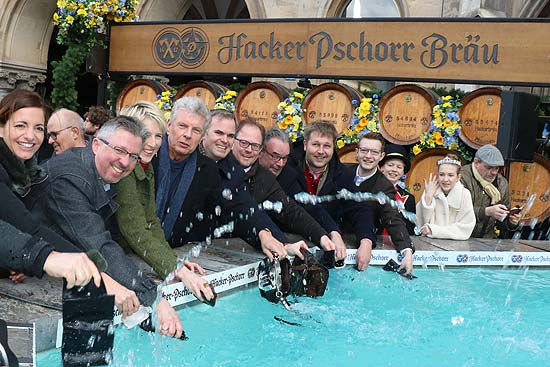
481,200
139,225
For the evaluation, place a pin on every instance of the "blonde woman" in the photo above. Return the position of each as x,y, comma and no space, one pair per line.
445,209
139,226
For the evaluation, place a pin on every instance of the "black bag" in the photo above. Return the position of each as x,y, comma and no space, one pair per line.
278,279
88,327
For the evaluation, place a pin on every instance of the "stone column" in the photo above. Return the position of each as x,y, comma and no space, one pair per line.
11,78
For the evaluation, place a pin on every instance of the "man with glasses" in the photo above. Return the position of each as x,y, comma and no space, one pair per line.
264,186
490,194
65,130
316,170
81,208
368,178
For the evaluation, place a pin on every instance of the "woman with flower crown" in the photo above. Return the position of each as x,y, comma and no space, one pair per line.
445,209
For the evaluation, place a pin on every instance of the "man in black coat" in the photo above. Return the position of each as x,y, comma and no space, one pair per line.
316,170
264,187
192,200
370,150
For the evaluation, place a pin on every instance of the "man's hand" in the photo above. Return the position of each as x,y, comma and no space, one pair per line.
327,244
76,268
169,321
195,283
407,262
17,277
125,299
271,245
294,248
498,211
363,254
340,250
514,218
425,230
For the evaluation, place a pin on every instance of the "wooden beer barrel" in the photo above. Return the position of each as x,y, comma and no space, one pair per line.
260,100
347,154
479,117
421,167
331,102
531,179
406,113
140,90
208,92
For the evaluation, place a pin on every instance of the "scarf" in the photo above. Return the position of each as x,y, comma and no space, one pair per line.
23,174
170,215
489,188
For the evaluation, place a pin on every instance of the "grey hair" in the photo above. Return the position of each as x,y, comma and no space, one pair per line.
192,105
142,110
125,123
276,133
70,118
221,114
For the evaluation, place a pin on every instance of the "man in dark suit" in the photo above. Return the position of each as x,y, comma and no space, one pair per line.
316,170
368,178
192,200
264,187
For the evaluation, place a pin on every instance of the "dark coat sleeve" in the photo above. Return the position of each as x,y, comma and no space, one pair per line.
390,217
292,218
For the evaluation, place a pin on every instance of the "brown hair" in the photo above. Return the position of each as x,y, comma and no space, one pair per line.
374,136
18,99
98,115
251,122
322,127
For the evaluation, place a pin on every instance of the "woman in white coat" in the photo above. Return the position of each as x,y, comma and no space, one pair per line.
445,209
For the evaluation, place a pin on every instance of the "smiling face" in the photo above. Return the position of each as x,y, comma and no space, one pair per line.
185,132
153,141
393,169
319,150
23,133
246,156
112,166
219,138
369,153
447,177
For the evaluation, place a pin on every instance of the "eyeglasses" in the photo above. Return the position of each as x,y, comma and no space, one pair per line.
276,158
371,151
121,151
245,144
54,134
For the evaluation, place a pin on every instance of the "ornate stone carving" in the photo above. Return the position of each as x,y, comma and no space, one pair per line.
11,79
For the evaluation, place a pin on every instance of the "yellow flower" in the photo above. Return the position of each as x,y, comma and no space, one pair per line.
288,120
453,146
298,95
55,17
281,105
289,109
61,3
70,19
118,19
358,128
293,136
447,123
283,125
348,132
438,138
446,98
340,144
372,126
231,93
291,99
416,149
81,12
296,120
446,104
363,122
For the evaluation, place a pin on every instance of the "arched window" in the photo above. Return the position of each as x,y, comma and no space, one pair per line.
372,8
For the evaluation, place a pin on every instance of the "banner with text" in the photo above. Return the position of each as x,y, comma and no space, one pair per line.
501,51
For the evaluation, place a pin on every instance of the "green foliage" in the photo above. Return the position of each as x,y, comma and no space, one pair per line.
458,94
64,76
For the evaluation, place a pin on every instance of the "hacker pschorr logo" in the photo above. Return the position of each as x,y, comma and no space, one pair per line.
188,48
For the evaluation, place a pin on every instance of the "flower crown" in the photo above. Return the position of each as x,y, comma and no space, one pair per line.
448,160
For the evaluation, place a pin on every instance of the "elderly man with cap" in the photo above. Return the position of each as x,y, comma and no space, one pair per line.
489,191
